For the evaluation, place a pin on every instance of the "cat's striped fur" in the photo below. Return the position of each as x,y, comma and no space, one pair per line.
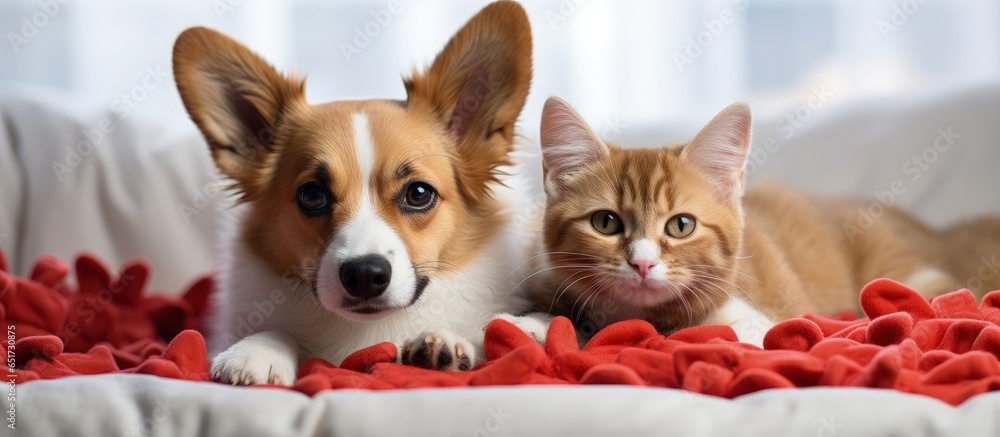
773,249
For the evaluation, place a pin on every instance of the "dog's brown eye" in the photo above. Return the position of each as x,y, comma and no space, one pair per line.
419,196
680,226
313,199
606,222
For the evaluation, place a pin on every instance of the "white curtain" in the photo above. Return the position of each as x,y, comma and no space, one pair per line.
629,62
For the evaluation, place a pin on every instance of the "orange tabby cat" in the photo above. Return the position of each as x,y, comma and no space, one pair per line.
667,235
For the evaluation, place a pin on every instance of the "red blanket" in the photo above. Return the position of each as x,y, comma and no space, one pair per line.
946,348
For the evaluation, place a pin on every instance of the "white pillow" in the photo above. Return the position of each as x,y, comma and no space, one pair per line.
94,180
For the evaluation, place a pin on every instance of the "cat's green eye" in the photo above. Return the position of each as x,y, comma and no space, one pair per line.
680,226
606,222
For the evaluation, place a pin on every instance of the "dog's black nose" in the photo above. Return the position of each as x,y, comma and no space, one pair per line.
366,277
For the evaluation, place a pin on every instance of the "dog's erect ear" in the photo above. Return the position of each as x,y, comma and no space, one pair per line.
477,87
235,98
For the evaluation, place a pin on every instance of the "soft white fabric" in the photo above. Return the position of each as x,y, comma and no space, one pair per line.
132,405
11,188
124,200
863,148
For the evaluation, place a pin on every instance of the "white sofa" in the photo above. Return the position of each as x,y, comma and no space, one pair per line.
146,190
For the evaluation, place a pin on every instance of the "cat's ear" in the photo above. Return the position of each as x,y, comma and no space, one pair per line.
720,149
568,143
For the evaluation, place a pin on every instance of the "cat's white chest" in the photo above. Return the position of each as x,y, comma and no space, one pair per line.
749,323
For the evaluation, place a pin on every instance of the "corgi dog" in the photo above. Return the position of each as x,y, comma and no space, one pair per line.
361,222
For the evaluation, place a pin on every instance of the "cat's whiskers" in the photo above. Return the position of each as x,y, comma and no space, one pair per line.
706,275
688,308
600,290
694,292
709,292
563,290
581,294
724,268
597,287
559,289
515,287
588,271
585,255
529,276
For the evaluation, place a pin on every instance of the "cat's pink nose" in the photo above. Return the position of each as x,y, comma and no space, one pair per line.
642,267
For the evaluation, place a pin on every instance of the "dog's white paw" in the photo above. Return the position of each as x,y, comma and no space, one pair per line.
250,362
535,325
438,349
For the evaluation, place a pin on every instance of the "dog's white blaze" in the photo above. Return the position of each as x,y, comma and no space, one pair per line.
460,303
364,149
365,234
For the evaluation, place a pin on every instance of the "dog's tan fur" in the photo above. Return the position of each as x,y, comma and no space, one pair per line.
264,135
451,135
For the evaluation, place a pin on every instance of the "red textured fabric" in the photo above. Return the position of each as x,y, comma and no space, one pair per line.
945,348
